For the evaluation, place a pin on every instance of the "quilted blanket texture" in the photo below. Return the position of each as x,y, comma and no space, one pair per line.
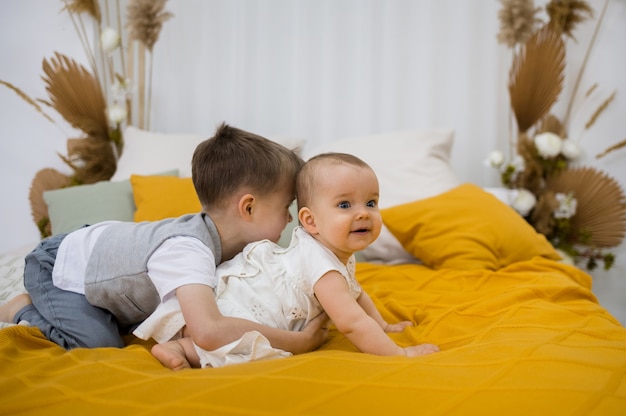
530,338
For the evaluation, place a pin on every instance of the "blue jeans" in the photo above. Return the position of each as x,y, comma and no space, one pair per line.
65,318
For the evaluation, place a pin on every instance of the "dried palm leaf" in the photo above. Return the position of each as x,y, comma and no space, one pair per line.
76,95
91,7
601,208
611,149
145,19
566,14
550,123
518,21
26,98
91,159
45,180
536,77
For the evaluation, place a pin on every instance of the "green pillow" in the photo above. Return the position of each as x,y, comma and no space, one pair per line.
71,208
285,236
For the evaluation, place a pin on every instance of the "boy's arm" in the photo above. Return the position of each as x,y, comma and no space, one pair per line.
351,319
209,329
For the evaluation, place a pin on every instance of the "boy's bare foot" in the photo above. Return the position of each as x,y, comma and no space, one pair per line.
171,354
9,309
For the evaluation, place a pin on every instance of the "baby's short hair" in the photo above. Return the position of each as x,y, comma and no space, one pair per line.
234,159
306,177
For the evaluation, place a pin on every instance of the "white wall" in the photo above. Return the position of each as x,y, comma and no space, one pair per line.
314,69
29,31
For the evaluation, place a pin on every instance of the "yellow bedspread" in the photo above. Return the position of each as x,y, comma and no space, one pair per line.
527,339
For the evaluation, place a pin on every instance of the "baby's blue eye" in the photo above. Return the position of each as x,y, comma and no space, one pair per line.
371,204
344,204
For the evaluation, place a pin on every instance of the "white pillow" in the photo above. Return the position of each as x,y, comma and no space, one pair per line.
410,165
146,152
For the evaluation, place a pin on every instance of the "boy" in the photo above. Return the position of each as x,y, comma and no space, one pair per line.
89,285
337,198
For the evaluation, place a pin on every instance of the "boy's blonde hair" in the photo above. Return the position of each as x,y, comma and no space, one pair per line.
305,183
234,159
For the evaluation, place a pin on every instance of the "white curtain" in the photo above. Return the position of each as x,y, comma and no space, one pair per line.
314,69
326,69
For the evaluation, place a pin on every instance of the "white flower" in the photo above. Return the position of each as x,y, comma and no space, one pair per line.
571,149
523,202
548,144
495,159
116,113
518,164
567,205
121,90
110,39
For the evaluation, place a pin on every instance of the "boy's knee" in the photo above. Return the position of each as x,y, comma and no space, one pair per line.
102,340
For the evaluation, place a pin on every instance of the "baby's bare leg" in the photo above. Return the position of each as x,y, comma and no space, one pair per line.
422,349
9,309
177,354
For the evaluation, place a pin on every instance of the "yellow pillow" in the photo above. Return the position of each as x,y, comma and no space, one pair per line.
465,228
159,197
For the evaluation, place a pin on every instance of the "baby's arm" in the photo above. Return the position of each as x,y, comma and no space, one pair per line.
370,308
352,320
360,321
209,329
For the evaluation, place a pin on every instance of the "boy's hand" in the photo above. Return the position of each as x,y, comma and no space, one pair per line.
398,327
315,333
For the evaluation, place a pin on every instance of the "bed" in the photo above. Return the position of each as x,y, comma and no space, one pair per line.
520,331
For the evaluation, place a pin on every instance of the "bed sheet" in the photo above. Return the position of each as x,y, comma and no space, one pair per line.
527,339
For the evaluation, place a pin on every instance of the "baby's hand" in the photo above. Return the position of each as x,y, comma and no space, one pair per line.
398,327
422,349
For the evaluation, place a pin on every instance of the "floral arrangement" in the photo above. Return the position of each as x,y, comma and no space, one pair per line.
581,210
98,101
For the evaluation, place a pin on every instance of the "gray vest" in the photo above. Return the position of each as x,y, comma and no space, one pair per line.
116,276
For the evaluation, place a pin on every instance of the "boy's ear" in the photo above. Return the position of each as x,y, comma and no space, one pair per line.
246,206
305,216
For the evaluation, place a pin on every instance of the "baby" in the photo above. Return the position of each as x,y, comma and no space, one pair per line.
338,211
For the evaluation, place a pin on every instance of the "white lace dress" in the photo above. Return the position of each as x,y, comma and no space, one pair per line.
265,283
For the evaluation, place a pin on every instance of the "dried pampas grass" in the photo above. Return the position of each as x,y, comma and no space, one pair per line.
76,95
518,21
45,180
599,111
531,178
601,208
26,98
90,7
611,149
145,19
565,15
541,217
536,77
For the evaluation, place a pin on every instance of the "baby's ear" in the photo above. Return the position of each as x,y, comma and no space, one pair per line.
305,216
